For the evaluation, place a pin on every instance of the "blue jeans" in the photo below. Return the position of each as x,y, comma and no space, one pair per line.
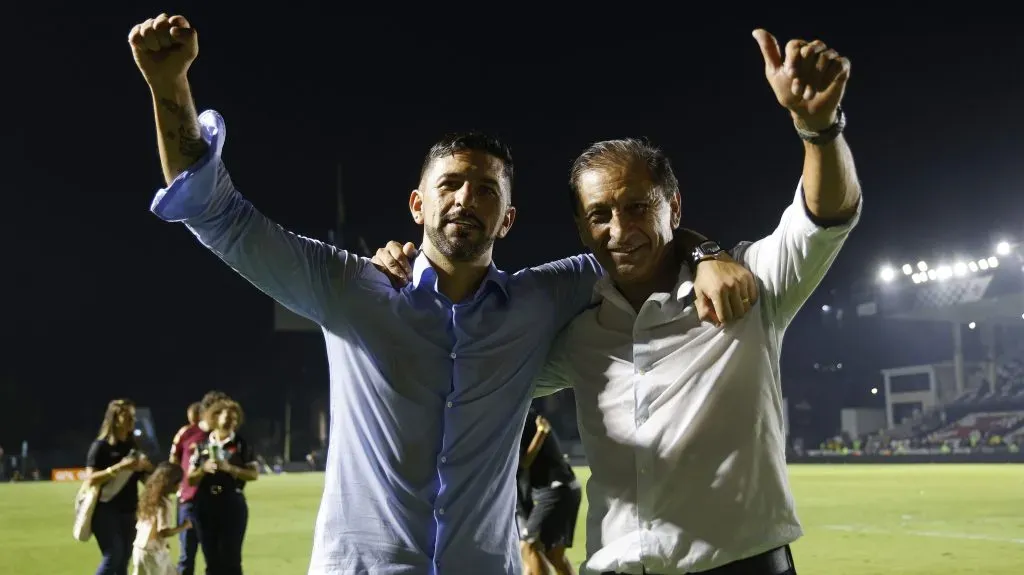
188,540
115,532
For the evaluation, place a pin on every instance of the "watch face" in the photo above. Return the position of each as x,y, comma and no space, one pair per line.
708,248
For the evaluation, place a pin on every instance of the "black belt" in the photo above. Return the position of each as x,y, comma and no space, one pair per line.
778,561
219,489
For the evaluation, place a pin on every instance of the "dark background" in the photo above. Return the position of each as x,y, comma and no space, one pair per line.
104,300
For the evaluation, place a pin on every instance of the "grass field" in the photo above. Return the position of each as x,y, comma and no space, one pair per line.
859,520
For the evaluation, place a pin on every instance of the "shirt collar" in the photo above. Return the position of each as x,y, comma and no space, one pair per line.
682,292
226,441
424,277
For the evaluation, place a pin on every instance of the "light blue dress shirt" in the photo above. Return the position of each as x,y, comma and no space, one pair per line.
428,398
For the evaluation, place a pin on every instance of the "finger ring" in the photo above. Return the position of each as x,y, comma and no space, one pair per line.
745,300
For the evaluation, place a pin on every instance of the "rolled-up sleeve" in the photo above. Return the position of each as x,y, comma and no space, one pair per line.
792,261
303,274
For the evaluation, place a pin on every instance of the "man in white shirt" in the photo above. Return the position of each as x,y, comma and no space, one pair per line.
681,420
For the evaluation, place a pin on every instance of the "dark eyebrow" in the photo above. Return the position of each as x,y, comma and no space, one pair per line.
458,176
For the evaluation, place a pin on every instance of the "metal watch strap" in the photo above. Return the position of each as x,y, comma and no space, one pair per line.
706,250
828,134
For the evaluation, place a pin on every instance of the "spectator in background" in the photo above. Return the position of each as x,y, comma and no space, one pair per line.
114,463
152,551
184,441
220,467
549,499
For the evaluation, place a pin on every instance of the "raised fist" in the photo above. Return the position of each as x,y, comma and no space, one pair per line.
164,47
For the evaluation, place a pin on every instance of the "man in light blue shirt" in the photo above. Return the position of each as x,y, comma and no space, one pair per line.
430,384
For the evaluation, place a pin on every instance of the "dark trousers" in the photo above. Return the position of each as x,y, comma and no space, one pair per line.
778,561
220,523
187,539
114,531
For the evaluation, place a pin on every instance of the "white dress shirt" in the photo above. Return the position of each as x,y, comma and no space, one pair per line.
682,421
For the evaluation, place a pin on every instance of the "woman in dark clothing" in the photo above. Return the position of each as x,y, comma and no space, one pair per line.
220,467
114,464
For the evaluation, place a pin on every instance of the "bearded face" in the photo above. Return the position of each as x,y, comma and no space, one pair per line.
463,204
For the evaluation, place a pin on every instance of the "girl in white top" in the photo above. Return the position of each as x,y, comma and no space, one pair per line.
151,554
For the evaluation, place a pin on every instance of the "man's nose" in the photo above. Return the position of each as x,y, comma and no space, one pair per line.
618,228
466,195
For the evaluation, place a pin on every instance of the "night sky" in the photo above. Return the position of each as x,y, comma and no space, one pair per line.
105,300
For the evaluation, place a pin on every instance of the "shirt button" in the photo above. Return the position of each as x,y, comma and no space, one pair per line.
643,470
440,511
444,459
641,371
452,355
449,404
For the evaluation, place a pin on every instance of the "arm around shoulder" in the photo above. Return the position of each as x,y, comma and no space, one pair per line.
569,284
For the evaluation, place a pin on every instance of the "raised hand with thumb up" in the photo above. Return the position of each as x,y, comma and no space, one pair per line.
808,80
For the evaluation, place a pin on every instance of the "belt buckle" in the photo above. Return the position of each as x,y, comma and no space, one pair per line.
216,489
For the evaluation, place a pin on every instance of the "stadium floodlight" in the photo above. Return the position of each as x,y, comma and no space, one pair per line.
933,275
1003,248
944,272
907,269
959,269
972,325
886,274
917,278
993,262
874,391
983,265
922,267
972,266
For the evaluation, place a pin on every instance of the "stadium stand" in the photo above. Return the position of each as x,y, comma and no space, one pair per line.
958,405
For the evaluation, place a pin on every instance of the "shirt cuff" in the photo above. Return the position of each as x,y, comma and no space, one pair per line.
813,225
194,190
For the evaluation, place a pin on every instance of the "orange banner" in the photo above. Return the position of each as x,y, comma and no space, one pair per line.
69,474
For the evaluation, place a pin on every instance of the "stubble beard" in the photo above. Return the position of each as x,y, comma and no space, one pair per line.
458,249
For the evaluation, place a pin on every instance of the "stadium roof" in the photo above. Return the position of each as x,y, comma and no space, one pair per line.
987,290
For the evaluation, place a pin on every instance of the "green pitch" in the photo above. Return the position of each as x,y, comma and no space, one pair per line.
859,520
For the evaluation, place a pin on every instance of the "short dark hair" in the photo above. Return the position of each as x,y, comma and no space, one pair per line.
623,152
471,141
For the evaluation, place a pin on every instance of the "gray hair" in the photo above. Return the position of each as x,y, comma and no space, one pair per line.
623,152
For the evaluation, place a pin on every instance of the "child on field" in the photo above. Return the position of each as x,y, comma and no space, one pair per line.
152,550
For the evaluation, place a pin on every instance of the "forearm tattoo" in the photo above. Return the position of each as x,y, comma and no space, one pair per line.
190,142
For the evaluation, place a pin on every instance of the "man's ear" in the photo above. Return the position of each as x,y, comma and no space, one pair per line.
506,223
416,207
675,210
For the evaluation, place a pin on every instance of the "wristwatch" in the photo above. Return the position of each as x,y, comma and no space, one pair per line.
828,134
706,250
